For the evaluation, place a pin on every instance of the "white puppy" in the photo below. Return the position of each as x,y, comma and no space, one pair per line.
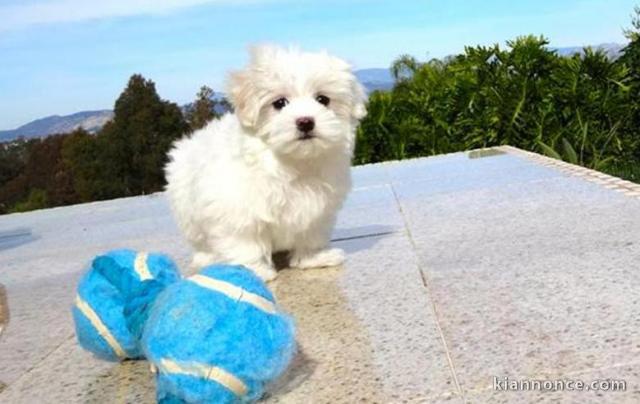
272,176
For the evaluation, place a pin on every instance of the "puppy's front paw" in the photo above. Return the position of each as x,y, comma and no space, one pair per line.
264,272
331,257
200,260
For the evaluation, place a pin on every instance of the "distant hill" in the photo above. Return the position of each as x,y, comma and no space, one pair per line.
613,50
375,79
91,121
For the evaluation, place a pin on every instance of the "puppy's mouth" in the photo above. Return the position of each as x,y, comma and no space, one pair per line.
305,135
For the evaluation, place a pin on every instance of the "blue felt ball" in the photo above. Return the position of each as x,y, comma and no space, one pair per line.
113,300
217,337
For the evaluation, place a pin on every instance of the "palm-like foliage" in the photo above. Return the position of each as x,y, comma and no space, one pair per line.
576,108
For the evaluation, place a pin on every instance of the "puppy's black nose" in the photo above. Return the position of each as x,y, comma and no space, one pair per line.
305,124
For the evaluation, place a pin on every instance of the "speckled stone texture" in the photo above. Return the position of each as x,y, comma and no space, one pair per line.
459,268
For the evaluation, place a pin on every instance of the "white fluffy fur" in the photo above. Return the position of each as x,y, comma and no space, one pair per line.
246,186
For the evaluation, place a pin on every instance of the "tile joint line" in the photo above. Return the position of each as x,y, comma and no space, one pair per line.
430,295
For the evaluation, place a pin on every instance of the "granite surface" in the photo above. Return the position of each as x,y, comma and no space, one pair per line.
460,268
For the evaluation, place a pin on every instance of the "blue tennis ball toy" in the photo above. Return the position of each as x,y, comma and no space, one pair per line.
217,337
105,307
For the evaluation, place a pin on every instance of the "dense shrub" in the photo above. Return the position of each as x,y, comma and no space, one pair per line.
578,108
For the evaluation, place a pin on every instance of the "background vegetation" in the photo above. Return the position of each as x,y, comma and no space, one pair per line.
125,158
584,109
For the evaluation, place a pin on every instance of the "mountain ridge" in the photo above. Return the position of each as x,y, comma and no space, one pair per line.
91,121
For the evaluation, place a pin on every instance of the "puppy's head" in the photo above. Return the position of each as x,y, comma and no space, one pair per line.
301,104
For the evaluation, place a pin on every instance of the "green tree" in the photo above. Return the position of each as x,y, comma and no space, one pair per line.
128,155
37,199
13,157
203,109
84,155
631,53
45,180
133,146
630,59
58,183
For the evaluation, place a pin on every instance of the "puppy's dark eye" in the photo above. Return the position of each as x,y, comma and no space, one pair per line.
280,103
323,99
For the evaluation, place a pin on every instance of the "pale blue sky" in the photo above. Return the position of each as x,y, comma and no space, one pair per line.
64,56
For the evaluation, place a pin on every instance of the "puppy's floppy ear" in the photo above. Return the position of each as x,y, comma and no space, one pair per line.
358,107
242,93
241,85
358,94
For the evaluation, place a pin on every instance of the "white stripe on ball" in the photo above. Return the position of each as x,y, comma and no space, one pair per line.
140,266
235,292
97,323
206,372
